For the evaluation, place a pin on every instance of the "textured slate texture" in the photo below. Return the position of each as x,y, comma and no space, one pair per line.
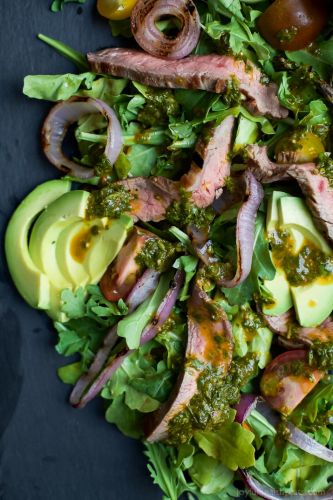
49,451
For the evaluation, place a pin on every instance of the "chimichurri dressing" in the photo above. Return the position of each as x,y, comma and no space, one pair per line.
321,355
301,268
211,407
158,254
184,212
159,105
111,201
325,167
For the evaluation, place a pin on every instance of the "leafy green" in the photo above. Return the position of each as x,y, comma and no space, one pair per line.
316,404
165,472
69,374
66,51
57,5
89,316
210,475
121,28
131,327
172,336
129,422
231,445
189,264
56,87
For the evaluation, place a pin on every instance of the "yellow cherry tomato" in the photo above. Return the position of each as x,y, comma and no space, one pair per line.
116,10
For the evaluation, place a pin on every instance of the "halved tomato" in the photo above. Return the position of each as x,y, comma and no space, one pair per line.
288,379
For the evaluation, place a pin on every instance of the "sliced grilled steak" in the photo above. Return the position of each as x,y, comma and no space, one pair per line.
151,196
202,347
207,72
315,187
205,184
121,275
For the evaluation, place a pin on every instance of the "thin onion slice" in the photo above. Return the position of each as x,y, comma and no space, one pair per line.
245,230
306,443
269,493
162,314
144,287
247,403
143,23
57,123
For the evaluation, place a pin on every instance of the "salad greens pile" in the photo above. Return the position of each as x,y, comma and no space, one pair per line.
160,129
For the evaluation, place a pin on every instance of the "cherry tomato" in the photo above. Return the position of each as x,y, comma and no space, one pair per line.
116,10
287,380
293,24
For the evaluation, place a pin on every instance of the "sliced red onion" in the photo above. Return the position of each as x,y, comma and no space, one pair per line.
245,230
56,125
247,403
164,309
148,334
141,291
306,443
268,493
144,17
290,343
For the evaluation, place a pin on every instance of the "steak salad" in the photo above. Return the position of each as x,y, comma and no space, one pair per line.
185,252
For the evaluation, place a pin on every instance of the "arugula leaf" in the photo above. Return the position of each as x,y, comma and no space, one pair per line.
121,28
231,445
317,403
56,87
165,472
57,5
131,327
69,374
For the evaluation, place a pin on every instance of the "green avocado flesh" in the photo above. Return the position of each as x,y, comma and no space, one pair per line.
30,281
300,254
64,250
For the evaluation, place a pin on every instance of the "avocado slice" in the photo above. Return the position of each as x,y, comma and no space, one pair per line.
247,133
313,303
70,266
280,290
30,281
106,246
67,209
295,216
279,286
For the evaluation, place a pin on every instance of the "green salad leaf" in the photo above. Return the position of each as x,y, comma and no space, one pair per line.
57,5
231,445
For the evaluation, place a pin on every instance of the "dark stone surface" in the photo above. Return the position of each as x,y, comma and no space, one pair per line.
49,451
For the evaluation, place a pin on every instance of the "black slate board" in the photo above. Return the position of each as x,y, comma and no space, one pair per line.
48,450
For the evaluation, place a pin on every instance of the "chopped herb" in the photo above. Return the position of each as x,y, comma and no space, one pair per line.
111,201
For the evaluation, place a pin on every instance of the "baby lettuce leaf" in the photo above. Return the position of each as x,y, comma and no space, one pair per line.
131,327
231,445
210,475
129,422
189,264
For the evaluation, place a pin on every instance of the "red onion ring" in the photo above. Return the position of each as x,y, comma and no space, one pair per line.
306,443
143,23
247,403
56,125
269,494
140,292
148,334
245,230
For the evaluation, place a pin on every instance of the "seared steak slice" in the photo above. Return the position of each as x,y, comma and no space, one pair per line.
207,72
121,275
202,349
205,184
151,196
315,187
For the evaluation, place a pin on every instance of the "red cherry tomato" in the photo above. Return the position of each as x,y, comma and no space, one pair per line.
287,379
293,24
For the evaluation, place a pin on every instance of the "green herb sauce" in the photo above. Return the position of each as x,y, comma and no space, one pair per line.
287,34
103,167
211,407
111,201
231,94
325,167
184,212
304,267
160,104
321,355
158,254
